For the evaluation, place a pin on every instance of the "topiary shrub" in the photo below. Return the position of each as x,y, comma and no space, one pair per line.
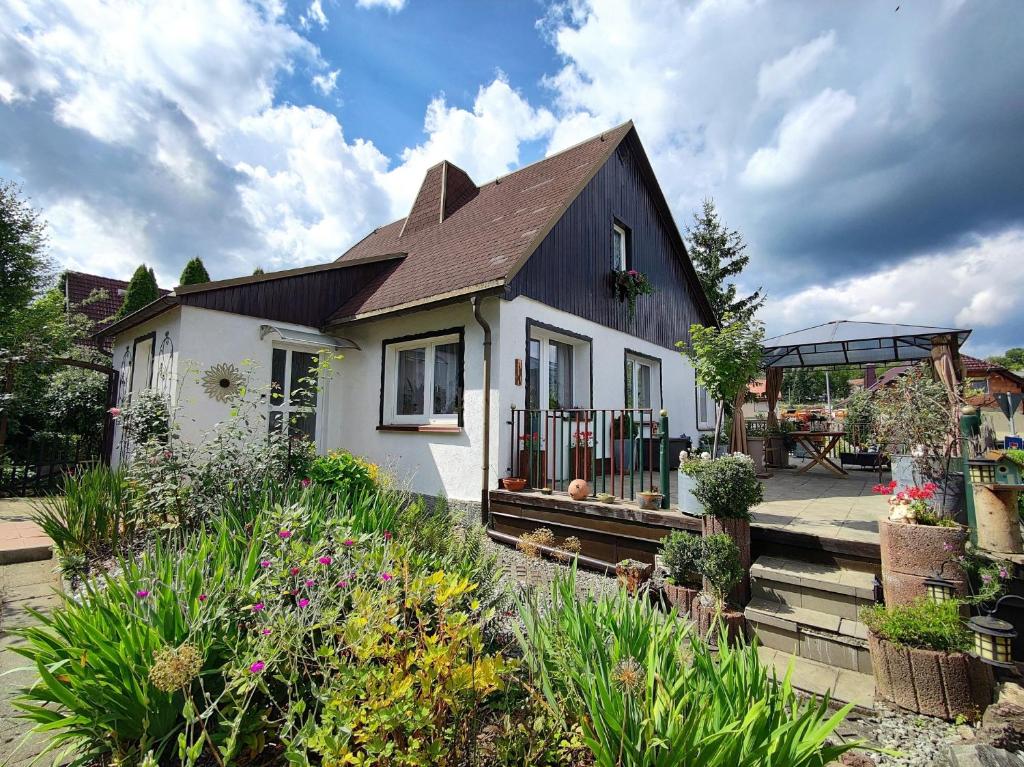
728,488
682,554
720,565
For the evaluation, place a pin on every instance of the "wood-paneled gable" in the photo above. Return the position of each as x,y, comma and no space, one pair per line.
571,268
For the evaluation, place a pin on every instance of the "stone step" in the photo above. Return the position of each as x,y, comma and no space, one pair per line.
828,589
811,634
842,685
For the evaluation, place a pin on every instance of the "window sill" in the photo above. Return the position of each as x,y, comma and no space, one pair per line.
425,428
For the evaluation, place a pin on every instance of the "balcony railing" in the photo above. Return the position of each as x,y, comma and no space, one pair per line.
619,451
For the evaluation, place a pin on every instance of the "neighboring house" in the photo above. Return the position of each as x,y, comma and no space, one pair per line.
97,297
756,403
524,261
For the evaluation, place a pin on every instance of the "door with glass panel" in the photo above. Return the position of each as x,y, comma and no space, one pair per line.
294,393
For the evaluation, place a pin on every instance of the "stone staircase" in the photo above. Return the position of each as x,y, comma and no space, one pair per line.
811,610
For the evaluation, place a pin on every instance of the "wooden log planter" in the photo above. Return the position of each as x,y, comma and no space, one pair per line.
681,597
705,616
739,531
943,684
911,553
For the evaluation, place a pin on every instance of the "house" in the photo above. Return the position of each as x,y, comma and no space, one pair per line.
95,296
484,298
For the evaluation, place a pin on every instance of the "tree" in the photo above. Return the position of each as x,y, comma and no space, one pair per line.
258,271
24,265
194,272
725,359
1012,359
141,290
718,254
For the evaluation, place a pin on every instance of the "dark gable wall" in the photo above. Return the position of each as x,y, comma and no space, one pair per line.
571,268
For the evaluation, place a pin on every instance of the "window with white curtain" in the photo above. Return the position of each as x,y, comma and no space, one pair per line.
705,409
422,381
642,382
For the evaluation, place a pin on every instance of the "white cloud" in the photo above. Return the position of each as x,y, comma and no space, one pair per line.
392,6
804,132
327,82
957,287
314,15
777,78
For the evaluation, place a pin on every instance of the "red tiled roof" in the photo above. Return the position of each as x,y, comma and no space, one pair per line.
81,286
459,236
981,367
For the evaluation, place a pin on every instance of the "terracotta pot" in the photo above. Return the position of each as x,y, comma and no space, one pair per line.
705,616
649,501
634,575
579,489
739,531
515,484
943,684
995,509
681,597
912,553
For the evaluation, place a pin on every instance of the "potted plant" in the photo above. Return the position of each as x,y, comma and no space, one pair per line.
628,284
581,454
728,489
917,544
532,459
681,554
720,567
913,419
650,500
690,466
780,443
921,661
515,484
633,574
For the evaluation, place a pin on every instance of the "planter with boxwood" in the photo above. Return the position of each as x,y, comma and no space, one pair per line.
682,556
711,612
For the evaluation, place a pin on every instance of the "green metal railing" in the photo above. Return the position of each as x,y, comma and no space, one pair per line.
619,451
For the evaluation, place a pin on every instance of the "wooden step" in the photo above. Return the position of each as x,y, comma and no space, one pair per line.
812,634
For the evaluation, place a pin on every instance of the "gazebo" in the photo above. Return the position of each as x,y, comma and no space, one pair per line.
846,342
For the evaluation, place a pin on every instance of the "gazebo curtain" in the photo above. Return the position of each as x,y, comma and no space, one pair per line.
772,390
943,352
738,438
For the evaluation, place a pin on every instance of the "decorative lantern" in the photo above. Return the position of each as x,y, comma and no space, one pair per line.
939,589
993,640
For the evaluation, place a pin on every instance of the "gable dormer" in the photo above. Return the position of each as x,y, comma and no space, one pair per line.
445,189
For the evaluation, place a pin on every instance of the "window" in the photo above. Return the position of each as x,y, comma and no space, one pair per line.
554,358
705,409
620,248
642,376
293,392
423,381
142,363
559,375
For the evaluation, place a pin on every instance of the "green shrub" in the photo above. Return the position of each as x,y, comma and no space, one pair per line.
90,518
720,564
648,694
343,471
681,553
728,488
925,624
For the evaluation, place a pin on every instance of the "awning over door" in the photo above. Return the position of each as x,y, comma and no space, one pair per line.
319,340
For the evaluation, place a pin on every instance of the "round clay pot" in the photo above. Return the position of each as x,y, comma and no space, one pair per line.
705,617
998,521
515,484
943,684
650,501
681,597
579,489
739,531
911,553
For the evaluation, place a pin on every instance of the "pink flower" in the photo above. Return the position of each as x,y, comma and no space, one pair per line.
285,534
203,597
303,602
986,578
265,632
1003,573
257,667
342,584
309,583
114,411
385,576
325,560
257,607
387,535
265,563
947,546
142,593
294,571
348,542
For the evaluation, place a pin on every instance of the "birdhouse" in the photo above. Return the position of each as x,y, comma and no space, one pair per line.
994,468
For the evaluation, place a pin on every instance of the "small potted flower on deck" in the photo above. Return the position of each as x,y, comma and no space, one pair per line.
681,554
711,611
581,454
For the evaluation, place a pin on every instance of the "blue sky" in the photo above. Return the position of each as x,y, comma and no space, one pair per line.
872,157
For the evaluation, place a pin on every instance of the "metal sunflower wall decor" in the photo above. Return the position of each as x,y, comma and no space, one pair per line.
221,381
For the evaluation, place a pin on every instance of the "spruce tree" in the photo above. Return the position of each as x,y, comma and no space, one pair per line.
194,273
718,254
257,271
141,290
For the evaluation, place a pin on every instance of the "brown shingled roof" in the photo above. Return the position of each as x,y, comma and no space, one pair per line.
480,240
79,287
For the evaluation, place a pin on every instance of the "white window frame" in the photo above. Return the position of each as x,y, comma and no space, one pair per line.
144,366
286,408
654,366
708,423
544,337
428,417
620,231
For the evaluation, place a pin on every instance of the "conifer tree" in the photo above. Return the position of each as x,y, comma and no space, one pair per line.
194,273
141,290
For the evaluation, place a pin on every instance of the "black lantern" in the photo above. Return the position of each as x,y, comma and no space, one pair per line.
993,637
941,589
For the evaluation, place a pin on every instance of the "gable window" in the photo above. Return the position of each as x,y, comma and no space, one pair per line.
643,382
620,248
293,392
423,381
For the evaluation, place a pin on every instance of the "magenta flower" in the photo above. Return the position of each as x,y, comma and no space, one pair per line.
385,576
986,578
114,412
349,542
387,535
257,667
265,563
265,632
1003,574
325,560
203,597
306,482
947,546
285,534
303,602
309,583
294,571
342,584
257,607
142,593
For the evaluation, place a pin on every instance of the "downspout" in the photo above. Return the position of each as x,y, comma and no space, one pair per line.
485,469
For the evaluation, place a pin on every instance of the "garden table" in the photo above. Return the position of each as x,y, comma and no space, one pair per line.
819,444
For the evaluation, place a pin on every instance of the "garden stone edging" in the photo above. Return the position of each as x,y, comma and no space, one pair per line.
941,684
910,553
